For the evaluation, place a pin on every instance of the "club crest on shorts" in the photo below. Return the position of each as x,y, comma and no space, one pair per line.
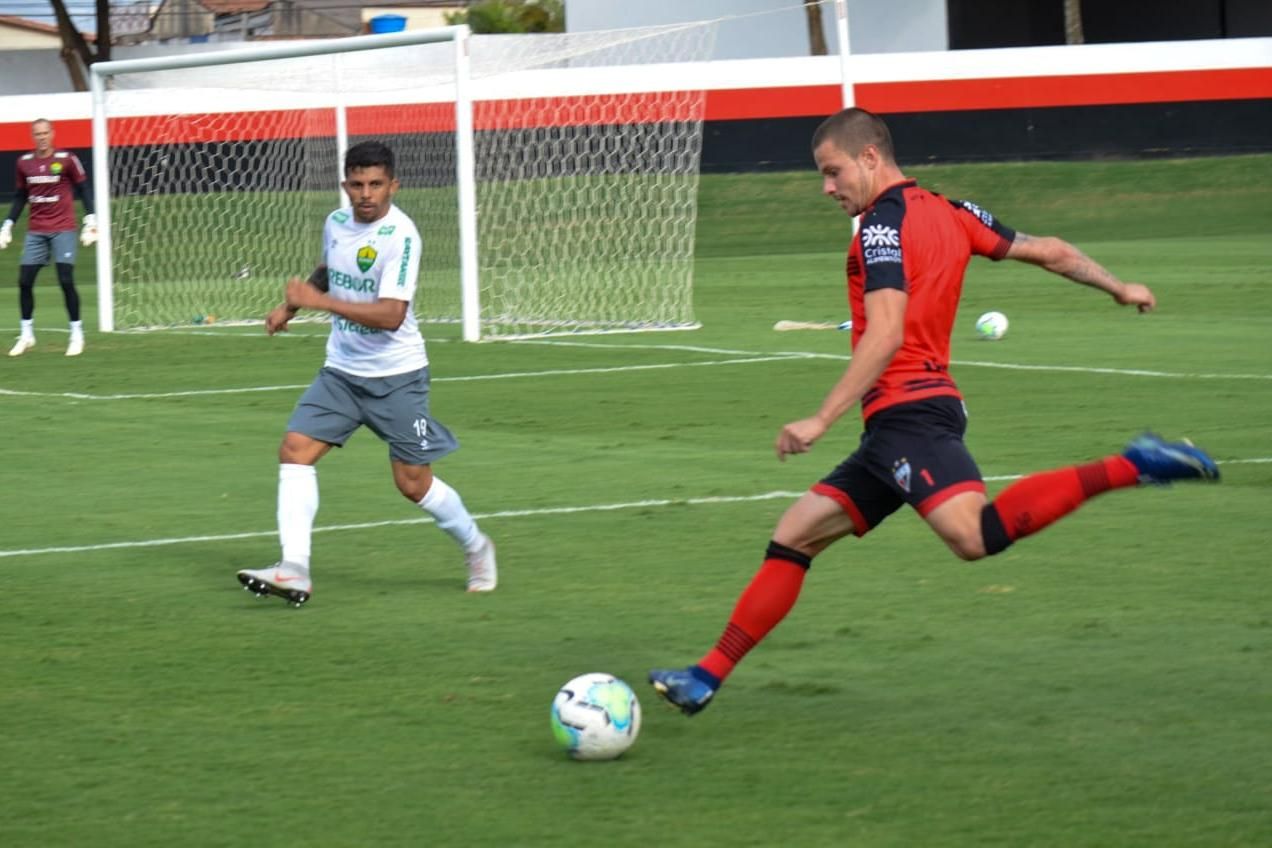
366,258
901,473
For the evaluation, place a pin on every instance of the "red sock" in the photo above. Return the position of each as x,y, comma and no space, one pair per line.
1029,505
765,602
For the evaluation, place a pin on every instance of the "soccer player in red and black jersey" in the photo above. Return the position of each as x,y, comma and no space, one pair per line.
49,179
905,277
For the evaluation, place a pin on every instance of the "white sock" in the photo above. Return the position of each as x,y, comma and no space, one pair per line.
447,508
77,329
297,506
28,328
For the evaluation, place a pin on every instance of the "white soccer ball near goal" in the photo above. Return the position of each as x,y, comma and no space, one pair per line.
991,326
595,717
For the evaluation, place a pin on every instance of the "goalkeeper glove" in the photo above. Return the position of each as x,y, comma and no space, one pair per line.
88,235
6,233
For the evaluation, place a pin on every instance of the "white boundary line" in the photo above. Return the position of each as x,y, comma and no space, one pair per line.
742,357
515,513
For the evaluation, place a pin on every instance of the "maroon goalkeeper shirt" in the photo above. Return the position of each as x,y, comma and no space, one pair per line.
48,182
919,242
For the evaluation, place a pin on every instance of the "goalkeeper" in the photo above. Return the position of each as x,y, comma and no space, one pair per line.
47,178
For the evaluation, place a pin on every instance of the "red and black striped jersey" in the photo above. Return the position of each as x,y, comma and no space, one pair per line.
919,242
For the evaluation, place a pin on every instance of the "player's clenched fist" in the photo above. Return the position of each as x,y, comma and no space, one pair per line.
798,436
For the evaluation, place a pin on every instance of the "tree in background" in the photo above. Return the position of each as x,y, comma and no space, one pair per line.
512,16
816,34
1073,22
76,53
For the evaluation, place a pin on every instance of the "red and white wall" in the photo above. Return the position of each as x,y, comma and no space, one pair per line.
1192,97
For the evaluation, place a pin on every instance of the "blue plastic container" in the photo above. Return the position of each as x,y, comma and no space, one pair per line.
387,23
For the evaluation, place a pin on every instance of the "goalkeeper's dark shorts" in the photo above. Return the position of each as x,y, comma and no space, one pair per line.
910,453
395,408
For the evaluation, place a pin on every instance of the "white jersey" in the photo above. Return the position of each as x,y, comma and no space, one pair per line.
366,262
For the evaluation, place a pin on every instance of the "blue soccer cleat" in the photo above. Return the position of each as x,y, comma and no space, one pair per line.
689,690
1159,461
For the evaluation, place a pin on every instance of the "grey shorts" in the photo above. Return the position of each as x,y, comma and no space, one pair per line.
395,408
40,248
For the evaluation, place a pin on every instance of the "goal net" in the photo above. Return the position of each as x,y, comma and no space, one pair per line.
553,177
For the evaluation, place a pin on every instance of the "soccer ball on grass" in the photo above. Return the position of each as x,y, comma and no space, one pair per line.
595,717
991,326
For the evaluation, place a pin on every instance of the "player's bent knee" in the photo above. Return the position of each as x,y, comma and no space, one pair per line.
967,546
299,449
968,552
413,481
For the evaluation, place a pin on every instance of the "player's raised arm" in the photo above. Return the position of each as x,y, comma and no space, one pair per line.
320,279
1060,257
278,318
382,314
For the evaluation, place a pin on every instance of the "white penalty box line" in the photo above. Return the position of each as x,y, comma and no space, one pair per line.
512,514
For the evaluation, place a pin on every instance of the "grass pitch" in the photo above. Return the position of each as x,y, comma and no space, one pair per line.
1104,683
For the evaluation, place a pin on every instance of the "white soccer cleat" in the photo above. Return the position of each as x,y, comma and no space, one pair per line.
284,580
482,573
76,347
22,345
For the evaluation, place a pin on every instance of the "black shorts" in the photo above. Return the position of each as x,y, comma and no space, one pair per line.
910,453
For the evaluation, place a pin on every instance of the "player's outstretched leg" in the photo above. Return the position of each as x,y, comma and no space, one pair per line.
483,575
767,599
283,579
1160,462
689,690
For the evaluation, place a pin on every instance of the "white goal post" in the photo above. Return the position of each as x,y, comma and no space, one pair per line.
553,179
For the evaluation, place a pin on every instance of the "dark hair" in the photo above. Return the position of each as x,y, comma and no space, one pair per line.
852,129
368,154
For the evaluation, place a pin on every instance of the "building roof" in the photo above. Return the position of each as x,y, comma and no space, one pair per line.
233,7
35,26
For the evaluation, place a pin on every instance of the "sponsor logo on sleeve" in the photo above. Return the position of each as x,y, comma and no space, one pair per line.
985,218
880,243
340,217
406,262
386,230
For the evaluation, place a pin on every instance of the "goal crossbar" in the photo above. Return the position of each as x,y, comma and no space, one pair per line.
553,177
101,71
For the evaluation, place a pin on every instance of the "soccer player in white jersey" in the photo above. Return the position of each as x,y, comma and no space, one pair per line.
376,374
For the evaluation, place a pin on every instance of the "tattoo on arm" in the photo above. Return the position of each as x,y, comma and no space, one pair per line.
1087,271
1073,264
